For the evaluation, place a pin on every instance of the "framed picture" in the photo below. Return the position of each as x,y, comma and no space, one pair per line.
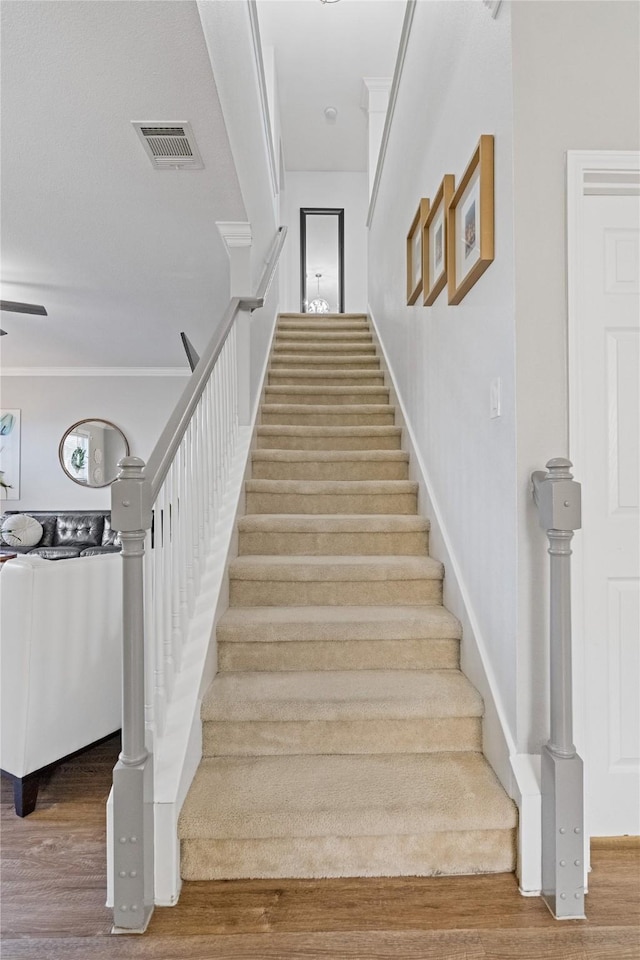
470,240
9,454
434,242
414,253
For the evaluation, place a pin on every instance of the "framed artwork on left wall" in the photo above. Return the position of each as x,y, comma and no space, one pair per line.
9,454
414,253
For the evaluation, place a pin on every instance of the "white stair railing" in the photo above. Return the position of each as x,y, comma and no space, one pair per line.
558,498
166,512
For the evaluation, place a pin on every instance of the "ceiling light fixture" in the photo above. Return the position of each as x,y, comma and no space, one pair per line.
328,1
331,113
319,305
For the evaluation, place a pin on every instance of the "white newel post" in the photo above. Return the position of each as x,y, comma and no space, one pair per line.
238,238
558,498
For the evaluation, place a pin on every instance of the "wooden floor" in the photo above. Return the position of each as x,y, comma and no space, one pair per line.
53,893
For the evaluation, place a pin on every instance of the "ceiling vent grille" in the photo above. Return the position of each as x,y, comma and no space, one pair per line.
170,146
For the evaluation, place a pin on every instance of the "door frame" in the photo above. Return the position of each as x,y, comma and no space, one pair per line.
321,211
587,170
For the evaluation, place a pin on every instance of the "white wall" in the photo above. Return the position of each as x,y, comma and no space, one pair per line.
576,79
140,406
319,189
456,85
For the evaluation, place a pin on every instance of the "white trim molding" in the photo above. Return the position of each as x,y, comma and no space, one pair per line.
235,233
264,99
393,96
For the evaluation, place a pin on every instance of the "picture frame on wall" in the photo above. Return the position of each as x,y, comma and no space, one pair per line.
414,253
434,242
470,222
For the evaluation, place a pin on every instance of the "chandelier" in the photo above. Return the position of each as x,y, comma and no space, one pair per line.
319,304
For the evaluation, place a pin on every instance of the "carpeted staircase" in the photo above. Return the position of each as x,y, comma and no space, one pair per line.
339,737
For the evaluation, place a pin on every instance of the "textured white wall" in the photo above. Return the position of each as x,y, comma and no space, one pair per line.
319,189
576,78
456,86
140,406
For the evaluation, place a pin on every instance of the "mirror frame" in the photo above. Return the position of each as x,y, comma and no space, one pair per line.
78,423
323,212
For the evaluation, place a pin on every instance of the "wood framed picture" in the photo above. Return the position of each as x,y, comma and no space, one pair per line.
434,242
414,253
470,223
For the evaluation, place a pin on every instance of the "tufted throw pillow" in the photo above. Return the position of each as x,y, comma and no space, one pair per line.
21,530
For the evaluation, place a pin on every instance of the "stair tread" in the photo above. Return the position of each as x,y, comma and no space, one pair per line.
311,391
344,796
262,624
341,695
329,456
333,568
333,523
294,430
335,317
320,359
351,487
329,408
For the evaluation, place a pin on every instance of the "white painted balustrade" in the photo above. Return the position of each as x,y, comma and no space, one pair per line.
167,512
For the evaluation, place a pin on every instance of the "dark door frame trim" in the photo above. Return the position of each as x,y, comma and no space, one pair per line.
321,211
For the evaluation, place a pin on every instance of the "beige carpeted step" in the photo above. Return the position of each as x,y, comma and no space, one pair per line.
348,535
326,317
326,335
338,378
321,395
331,496
338,638
330,465
345,349
339,712
324,361
321,816
320,327
310,581
328,438
328,415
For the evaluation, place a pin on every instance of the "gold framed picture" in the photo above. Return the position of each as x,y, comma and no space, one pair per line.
470,223
414,253
434,242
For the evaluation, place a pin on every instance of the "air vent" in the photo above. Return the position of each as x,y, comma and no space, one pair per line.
170,146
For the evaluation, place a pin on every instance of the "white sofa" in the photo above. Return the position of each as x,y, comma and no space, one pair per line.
60,663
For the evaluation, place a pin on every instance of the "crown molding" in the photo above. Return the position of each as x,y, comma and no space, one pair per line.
95,372
374,94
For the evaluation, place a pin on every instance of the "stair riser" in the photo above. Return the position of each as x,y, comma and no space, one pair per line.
317,399
340,655
304,593
325,363
310,379
402,503
333,544
324,336
422,855
327,470
289,738
315,418
286,442
313,347
352,326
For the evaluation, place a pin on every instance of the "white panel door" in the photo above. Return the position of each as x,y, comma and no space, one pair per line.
605,377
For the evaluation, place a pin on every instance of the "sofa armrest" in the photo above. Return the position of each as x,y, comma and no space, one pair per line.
60,657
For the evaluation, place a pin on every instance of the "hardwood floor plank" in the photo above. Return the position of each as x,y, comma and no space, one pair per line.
54,890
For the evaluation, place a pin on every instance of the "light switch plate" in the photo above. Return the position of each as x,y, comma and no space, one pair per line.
495,398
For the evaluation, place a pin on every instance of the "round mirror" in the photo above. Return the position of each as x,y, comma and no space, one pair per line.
90,450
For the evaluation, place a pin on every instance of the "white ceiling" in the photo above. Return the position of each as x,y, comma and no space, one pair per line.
322,53
119,253
123,256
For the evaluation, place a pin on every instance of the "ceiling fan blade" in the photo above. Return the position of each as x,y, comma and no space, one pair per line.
3,333
14,307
